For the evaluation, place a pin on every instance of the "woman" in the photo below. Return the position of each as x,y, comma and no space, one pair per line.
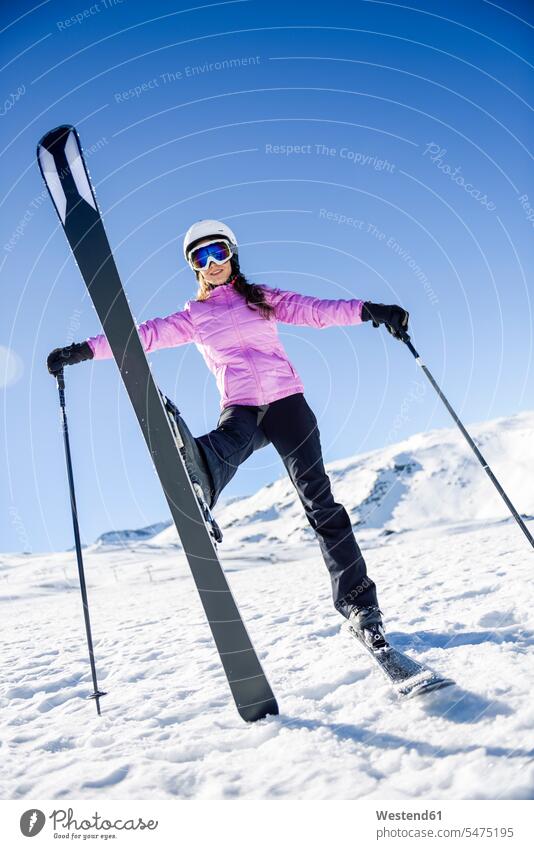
233,324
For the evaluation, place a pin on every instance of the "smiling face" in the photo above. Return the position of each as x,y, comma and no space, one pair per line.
215,274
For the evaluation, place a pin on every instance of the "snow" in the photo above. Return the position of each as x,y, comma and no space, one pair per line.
455,582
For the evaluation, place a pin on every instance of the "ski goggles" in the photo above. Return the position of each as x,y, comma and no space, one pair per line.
218,251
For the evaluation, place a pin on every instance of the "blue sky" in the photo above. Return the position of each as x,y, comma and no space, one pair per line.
368,150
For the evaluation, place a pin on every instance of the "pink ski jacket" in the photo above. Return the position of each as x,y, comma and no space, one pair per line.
239,346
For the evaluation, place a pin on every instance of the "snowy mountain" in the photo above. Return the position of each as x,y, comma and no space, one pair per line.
139,536
129,536
455,582
430,479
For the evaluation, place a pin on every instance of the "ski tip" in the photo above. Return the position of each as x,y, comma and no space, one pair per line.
55,137
425,688
60,158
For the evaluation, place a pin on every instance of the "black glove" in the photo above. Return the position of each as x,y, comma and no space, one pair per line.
75,353
395,318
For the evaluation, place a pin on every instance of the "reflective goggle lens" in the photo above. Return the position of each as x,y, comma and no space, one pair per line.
219,252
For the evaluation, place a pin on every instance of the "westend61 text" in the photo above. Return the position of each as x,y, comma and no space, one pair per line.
408,815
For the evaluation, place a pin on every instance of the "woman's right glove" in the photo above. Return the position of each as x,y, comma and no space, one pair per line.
69,356
395,318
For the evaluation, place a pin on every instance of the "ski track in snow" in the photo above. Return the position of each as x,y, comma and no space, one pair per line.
459,598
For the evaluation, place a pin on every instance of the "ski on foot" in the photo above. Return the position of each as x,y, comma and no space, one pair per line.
408,677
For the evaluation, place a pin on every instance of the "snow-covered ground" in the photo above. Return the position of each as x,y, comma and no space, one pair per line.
456,585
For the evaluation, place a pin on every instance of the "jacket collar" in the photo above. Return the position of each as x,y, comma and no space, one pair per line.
228,286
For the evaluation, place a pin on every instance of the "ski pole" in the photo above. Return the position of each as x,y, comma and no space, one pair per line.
96,694
407,341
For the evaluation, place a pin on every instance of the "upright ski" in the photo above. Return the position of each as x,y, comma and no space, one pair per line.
65,173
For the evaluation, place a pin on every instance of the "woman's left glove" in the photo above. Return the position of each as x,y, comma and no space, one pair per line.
395,318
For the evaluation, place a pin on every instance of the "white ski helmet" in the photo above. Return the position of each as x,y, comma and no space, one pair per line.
204,230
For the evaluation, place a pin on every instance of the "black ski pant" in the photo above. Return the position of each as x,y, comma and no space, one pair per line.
290,425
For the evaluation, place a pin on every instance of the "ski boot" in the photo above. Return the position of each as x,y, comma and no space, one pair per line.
366,623
195,466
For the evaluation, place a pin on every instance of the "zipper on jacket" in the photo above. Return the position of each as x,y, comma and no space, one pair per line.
246,353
